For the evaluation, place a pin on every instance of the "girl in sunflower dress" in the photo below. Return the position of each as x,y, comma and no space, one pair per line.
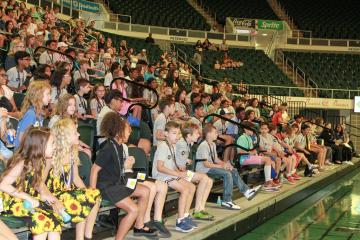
22,180
63,180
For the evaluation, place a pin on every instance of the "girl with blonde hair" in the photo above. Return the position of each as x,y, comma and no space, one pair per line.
66,108
32,109
22,181
63,180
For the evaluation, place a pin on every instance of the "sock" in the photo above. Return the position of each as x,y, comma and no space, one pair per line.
267,172
186,215
310,166
293,171
179,220
273,172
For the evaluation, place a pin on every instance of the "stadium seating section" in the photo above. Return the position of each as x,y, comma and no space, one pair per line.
255,9
326,18
153,50
330,70
258,69
174,14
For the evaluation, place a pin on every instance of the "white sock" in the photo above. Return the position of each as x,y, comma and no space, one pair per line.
179,220
267,172
310,166
186,215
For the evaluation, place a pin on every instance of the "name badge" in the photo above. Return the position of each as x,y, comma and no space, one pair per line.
141,176
1,205
131,183
189,175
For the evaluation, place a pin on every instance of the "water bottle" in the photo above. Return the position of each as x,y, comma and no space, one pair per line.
10,133
65,216
27,205
218,202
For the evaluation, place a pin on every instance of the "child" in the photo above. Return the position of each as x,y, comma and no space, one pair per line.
209,163
190,134
302,144
66,108
82,72
167,109
97,102
269,148
110,173
251,157
221,126
32,113
82,87
63,180
158,189
165,169
289,139
22,180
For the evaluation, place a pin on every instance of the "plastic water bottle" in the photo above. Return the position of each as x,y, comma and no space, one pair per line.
218,202
10,134
65,216
27,205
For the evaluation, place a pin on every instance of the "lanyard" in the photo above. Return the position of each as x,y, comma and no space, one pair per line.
100,104
212,153
82,102
122,170
70,177
51,57
21,80
172,152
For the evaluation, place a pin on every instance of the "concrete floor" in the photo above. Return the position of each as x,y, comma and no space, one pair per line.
225,217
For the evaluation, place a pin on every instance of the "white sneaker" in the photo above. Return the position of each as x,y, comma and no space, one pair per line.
230,205
250,193
349,163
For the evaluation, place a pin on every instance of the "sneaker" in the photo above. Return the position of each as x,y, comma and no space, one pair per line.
251,193
230,205
191,222
349,163
159,225
296,177
183,226
268,187
276,184
206,213
277,181
146,233
202,215
290,180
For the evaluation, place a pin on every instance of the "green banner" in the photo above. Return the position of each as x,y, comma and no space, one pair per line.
270,25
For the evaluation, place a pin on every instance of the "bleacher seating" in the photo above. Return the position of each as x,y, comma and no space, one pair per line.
326,18
153,50
174,14
254,9
330,70
258,69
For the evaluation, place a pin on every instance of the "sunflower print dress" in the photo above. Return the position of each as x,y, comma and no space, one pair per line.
78,202
40,220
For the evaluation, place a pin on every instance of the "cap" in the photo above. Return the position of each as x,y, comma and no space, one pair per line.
224,111
62,44
247,125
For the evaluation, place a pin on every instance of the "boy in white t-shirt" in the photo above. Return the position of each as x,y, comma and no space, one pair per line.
166,169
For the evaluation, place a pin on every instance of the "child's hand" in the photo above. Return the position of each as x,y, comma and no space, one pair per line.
48,198
129,162
182,174
58,207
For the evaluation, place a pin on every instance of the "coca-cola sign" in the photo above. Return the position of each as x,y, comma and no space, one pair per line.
243,22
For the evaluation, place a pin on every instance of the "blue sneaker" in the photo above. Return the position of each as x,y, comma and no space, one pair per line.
183,226
191,222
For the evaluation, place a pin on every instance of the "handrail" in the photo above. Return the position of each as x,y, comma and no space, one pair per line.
351,126
140,85
309,121
239,125
52,50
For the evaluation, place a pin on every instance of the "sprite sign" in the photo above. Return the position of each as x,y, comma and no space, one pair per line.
270,25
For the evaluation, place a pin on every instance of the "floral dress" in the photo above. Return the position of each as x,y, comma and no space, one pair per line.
78,202
41,219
